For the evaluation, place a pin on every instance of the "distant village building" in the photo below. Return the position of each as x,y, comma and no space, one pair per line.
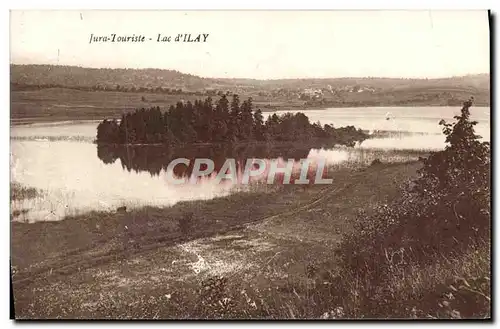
313,93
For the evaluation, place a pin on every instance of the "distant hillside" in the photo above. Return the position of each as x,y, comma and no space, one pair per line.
478,81
50,92
74,76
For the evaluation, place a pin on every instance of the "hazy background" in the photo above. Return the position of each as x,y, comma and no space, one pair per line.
262,44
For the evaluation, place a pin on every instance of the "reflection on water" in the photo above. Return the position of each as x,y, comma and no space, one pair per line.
155,159
75,180
75,176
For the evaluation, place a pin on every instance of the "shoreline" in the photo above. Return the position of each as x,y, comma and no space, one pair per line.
46,120
321,108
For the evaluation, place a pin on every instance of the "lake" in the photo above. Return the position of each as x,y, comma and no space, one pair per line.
76,176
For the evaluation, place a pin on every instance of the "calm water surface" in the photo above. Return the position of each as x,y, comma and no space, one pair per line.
75,176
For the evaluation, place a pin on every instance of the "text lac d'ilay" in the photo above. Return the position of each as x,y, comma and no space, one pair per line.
113,37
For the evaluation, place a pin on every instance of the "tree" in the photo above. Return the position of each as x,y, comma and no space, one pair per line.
168,136
258,129
234,119
189,122
221,116
458,178
246,130
108,132
207,116
445,212
273,125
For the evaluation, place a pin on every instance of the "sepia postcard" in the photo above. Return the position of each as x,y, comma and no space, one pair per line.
254,165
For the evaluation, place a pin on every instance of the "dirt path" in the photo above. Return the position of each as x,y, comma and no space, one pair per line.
103,251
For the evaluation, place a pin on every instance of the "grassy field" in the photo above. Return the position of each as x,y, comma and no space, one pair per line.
448,288
265,253
60,104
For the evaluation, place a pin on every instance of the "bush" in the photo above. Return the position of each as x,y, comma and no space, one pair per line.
446,213
19,192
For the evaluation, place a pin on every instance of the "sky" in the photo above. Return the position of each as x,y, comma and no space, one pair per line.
262,44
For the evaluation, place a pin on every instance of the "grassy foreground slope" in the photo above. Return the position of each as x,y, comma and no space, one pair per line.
262,253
